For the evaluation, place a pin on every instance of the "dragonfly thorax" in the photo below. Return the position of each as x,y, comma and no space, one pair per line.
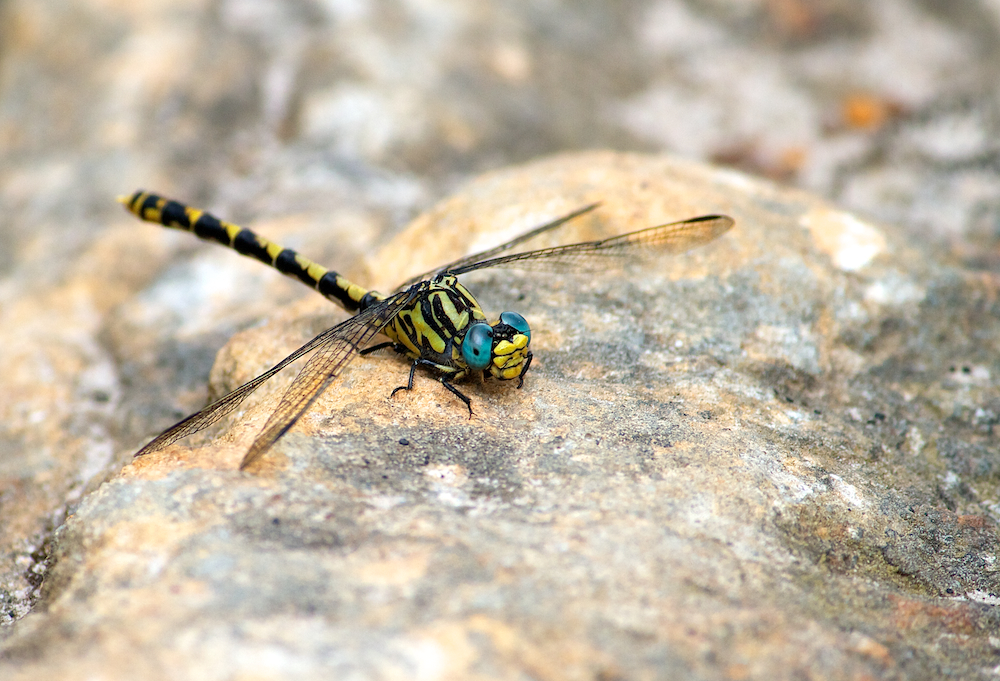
443,326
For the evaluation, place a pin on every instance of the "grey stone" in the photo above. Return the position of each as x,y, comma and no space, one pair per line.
330,125
768,458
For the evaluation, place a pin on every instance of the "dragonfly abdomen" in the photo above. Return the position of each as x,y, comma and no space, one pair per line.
330,284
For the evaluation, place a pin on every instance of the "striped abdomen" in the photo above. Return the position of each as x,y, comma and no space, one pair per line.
169,213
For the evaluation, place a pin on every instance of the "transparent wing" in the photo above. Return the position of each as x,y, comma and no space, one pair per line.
674,237
347,334
322,368
496,250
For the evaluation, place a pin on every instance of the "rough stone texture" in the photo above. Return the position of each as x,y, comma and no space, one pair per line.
770,458
329,125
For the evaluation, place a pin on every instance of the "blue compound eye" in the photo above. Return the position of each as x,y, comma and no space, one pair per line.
478,345
519,323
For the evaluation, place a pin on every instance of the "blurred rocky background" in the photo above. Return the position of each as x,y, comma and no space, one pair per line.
335,122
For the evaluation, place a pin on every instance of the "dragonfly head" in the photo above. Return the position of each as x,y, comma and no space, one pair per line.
502,348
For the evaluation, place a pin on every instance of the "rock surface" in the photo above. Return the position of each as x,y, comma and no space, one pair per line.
769,458
329,125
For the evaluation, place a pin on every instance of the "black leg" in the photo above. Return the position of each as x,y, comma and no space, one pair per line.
376,348
520,377
409,383
458,393
452,389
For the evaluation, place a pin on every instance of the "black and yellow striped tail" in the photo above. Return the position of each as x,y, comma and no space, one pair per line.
206,226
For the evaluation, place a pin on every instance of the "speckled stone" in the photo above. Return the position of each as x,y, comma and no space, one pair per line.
769,458
329,125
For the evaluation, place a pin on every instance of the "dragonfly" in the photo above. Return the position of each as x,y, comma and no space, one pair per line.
432,319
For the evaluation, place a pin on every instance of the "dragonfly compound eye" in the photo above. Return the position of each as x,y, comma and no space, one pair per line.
478,345
519,323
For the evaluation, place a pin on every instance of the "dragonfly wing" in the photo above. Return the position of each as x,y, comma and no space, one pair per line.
224,406
506,246
341,344
216,411
674,237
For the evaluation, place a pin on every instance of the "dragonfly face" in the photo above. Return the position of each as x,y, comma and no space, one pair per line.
502,348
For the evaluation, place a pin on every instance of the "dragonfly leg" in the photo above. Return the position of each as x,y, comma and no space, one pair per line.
409,383
457,393
444,381
380,346
520,378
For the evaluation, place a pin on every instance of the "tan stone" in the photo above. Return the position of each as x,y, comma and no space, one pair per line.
723,465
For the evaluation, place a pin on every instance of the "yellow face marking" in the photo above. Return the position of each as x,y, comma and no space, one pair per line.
510,373
501,351
509,356
505,348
